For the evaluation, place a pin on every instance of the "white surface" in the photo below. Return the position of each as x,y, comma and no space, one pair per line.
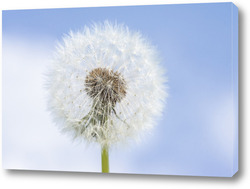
36,179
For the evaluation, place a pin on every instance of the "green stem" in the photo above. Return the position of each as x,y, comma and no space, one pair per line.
105,159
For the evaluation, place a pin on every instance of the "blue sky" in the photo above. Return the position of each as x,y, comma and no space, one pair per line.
195,135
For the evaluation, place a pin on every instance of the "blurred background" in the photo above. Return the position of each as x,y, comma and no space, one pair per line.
196,133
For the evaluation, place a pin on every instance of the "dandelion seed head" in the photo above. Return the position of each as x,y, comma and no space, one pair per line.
106,84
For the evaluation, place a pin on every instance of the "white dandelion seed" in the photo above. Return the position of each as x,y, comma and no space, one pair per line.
106,84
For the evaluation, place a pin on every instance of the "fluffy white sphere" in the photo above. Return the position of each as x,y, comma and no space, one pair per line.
106,84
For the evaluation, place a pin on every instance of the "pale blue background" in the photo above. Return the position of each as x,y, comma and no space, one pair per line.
195,135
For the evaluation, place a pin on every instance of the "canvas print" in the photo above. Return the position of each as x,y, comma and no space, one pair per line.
131,89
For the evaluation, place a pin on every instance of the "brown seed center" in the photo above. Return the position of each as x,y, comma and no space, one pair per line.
105,86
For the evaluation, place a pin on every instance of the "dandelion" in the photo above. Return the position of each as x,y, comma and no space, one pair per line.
106,85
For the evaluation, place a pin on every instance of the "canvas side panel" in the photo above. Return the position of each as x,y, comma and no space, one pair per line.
235,84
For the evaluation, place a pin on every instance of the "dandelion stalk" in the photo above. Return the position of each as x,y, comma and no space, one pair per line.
105,159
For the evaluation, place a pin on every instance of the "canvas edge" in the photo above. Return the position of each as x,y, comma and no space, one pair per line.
235,89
